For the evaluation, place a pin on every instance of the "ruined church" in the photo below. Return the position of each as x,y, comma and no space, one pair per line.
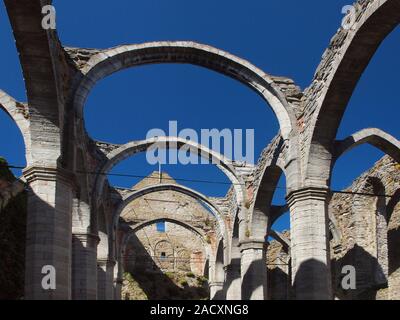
160,239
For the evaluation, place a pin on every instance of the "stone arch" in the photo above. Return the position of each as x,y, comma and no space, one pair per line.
113,60
122,253
185,225
279,267
177,188
166,248
270,167
337,76
395,199
132,148
375,137
19,113
142,225
233,269
263,213
282,239
219,273
133,230
262,217
41,62
371,247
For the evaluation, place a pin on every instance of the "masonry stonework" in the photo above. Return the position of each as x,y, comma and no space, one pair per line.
86,228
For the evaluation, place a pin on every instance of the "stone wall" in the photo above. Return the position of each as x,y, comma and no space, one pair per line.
365,227
66,169
12,236
329,63
178,255
278,266
176,249
369,228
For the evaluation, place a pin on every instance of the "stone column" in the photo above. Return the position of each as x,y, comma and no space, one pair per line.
253,270
84,253
233,280
105,279
49,228
118,281
311,274
84,266
216,290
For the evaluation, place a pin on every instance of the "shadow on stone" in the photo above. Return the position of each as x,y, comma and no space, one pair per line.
251,279
310,282
12,248
369,275
233,276
279,285
154,282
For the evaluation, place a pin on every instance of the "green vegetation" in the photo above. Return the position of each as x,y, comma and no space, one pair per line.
131,289
143,285
184,283
202,281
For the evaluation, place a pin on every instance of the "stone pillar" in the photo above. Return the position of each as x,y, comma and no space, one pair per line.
105,279
84,266
118,281
216,290
233,280
311,274
84,252
253,270
49,228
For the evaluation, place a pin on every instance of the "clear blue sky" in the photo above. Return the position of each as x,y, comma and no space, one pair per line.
281,37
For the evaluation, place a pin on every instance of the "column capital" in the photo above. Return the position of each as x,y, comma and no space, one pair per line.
216,284
47,173
106,262
86,237
252,244
307,193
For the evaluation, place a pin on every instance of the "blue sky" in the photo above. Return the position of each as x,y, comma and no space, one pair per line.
281,37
